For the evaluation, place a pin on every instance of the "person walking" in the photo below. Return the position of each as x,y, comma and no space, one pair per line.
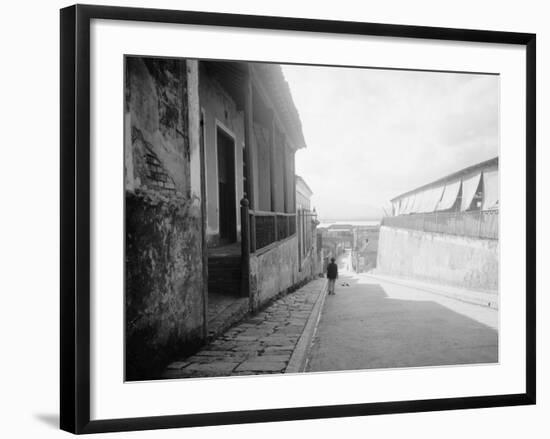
332,275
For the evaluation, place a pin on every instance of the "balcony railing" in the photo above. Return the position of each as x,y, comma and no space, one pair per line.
269,227
474,224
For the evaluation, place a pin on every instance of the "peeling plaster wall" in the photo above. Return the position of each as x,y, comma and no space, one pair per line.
312,265
275,271
455,260
219,108
164,284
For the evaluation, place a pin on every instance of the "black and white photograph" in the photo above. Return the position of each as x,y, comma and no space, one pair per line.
296,218
275,219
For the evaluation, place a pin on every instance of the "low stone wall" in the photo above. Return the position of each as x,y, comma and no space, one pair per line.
310,267
454,260
273,271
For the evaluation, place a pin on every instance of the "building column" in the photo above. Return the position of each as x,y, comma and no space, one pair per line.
271,126
249,155
286,175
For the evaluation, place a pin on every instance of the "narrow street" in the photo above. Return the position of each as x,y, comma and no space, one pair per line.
374,323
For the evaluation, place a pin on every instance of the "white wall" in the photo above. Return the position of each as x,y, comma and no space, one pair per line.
30,206
445,259
220,113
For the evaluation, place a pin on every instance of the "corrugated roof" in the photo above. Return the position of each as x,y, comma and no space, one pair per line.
486,164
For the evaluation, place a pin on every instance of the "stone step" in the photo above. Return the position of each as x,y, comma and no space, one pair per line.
224,261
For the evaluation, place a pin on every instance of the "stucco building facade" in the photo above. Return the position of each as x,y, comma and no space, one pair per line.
211,205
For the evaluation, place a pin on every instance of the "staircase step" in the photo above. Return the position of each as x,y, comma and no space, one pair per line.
224,274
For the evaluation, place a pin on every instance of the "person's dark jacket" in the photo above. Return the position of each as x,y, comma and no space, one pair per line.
332,271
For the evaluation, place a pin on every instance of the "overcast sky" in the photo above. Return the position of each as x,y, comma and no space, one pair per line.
374,134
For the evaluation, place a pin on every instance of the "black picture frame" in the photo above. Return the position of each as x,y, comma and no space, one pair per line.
75,217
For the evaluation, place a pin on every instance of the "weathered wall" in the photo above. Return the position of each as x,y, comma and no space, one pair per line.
465,262
311,265
164,284
273,271
365,253
219,108
277,270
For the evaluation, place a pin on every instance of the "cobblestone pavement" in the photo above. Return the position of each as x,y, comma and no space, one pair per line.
261,344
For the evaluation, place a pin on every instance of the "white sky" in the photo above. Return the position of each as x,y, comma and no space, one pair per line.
374,134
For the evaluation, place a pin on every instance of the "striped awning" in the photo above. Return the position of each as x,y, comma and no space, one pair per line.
469,189
490,190
450,193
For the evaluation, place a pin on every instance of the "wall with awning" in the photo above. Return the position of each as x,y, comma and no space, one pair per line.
469,188
490,190
443,197
450,193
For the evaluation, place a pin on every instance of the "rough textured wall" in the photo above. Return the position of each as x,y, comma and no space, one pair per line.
164,285
164,303
365,253
273,271
446,259
311,264
219,107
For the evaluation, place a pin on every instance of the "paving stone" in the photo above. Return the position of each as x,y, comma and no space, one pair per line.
260,344
240,356
276,350
274,358
297,321
247,337
209,353
212,367
247,347
261,366
290,331
227,346
177,365
172,374
257,333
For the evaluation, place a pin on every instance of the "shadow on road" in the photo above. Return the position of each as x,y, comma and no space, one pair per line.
363,327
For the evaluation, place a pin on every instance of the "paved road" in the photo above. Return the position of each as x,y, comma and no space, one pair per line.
377,324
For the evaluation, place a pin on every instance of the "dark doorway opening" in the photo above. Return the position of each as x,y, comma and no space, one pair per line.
226,305
226,188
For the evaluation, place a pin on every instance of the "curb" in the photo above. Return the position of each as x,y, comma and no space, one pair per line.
297,362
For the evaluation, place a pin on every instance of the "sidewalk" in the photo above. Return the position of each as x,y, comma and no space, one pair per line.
482,298
274,340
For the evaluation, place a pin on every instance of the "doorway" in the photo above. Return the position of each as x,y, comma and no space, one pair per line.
226,187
